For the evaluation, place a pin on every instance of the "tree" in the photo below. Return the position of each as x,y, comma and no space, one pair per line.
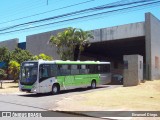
83,40
5,55
42,56
2,74
14,69
13,59
67,41
20,55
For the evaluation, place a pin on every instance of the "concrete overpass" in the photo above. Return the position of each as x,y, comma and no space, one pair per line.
110,44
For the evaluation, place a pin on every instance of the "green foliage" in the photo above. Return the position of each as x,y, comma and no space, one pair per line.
14,58
5,55
42,56
20,55
2,74
14,69
83,40
67,41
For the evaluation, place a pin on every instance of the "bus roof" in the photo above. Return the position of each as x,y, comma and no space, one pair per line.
69,62
81,62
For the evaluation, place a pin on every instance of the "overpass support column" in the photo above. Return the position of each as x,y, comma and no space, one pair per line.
133,70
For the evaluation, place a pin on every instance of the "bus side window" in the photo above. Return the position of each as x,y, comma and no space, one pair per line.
64,70
93,69
104,68
59,67
44,72
82,69
53,70
87,69
74,70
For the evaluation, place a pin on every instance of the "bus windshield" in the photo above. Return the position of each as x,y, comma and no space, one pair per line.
28,73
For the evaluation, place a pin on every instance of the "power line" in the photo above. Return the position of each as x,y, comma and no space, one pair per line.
112,11
111,5
13,11
48,11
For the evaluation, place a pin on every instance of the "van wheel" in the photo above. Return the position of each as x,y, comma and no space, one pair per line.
93,84
55,89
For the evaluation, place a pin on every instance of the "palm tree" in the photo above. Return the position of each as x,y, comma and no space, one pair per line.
67,41
83,40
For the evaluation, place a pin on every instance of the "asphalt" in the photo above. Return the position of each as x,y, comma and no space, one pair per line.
44,102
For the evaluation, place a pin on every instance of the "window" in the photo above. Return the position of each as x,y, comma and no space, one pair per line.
74,70
45,72
103,68
83,66
106,68
93,69
64,70
53,70
73,67
83,69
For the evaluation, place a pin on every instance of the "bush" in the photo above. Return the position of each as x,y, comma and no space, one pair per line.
2,74
14,69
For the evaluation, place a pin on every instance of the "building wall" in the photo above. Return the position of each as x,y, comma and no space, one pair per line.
119,32
10,44
152,33
39,43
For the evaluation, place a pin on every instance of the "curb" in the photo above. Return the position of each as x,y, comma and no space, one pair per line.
86,115
73,113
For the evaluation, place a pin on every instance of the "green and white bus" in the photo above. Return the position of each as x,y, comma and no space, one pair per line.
52,76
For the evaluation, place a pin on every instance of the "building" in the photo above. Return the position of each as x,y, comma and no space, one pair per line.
111,44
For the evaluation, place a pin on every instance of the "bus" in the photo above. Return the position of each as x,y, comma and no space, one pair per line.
52,76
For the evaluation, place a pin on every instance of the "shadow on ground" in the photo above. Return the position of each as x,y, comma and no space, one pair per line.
61,92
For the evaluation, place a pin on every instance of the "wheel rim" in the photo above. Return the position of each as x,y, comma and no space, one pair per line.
55,89
93,84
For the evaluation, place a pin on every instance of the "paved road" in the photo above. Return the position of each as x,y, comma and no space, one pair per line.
43,102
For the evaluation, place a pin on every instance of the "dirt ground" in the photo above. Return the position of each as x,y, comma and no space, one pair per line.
9,87
144,97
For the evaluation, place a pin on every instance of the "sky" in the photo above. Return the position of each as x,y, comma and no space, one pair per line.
12,12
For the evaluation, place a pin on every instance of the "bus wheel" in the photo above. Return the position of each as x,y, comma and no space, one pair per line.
55,89
93,84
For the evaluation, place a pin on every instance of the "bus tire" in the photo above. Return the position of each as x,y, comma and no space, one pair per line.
93,84
55,89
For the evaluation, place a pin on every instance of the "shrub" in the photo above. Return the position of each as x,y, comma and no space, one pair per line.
2,74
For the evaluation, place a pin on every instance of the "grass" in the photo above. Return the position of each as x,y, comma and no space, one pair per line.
9,87
145,96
